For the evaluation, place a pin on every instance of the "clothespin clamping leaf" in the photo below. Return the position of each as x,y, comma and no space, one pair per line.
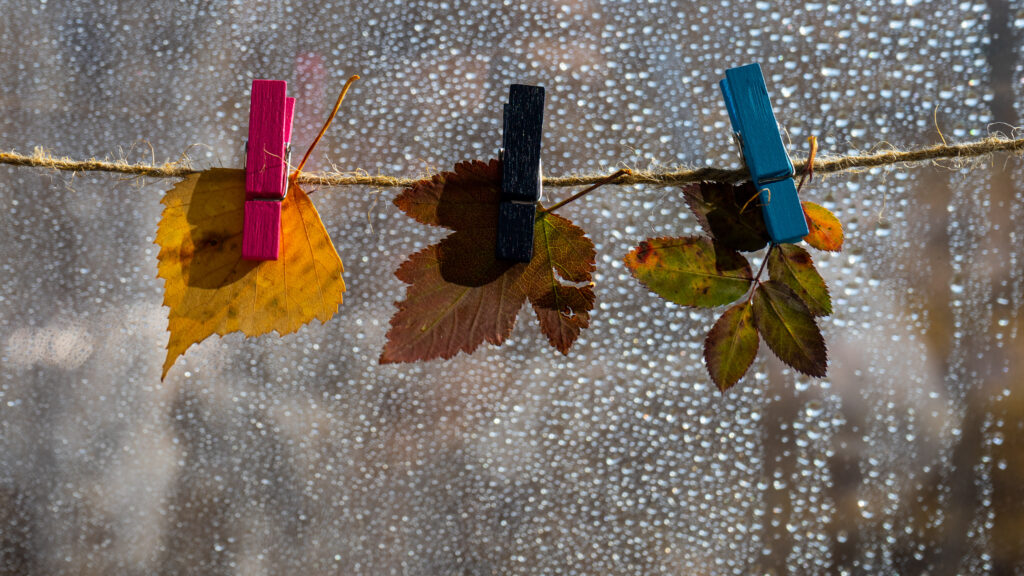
504,249
266,168
750,112
521,172
224,265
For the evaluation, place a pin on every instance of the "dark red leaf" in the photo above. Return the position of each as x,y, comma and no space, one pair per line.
731,215
460,295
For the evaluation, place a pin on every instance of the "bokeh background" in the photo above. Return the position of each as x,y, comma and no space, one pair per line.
302,455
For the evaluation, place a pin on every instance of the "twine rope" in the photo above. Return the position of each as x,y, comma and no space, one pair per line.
828,165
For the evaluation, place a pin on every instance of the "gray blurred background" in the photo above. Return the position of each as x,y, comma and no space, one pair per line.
302,455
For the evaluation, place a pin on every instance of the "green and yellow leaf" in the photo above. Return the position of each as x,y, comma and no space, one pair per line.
690,271
789,329
731,346
793,266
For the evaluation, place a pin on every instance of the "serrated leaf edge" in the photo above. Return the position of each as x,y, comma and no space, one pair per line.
772,348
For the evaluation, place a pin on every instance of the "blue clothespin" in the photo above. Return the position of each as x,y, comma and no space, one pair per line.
750,112
520,179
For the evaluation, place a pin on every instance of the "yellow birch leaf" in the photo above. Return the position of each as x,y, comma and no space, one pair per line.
211,290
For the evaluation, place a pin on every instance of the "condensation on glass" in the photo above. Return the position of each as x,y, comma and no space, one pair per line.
302,455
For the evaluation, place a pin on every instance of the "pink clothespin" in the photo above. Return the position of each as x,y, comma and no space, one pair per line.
266,168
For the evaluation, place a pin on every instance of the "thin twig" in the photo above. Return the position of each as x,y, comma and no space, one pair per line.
607,180
327,124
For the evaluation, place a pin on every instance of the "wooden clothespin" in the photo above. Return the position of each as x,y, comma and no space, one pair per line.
521,172
266,168
750,112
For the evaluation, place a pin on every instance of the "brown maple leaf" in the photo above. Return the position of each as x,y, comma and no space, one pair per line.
460,295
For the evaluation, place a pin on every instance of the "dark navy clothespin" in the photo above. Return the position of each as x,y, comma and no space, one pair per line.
750,111
520,178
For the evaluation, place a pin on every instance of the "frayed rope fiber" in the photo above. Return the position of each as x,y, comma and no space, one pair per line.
967,150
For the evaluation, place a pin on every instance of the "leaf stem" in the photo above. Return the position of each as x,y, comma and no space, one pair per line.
757,279
808,172
752,198
578,195
765,261
337,106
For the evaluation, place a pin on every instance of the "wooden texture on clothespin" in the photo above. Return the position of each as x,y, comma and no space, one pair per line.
753,121
521,172
266,168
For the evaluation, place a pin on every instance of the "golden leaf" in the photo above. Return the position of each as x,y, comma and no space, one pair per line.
211,290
